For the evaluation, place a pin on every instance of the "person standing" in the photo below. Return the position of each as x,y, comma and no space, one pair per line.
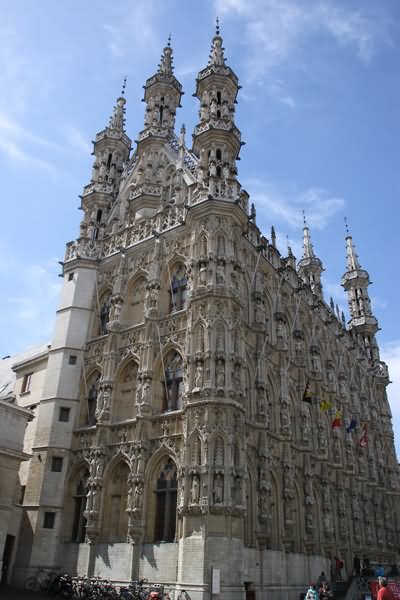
356,566
384,592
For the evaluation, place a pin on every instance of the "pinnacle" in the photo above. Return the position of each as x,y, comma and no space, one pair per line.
166,67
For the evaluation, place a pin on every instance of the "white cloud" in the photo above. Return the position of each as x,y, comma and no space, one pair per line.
286,205
274,30
390,353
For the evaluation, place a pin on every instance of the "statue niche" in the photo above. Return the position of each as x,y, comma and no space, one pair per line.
125,393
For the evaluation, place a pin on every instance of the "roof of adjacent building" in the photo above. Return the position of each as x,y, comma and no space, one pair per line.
8,374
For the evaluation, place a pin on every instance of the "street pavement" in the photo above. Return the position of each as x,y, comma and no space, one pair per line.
7,593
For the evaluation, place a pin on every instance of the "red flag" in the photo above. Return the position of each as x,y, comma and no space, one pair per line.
364,438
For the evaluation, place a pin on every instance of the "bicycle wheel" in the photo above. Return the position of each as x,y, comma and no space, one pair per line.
31,584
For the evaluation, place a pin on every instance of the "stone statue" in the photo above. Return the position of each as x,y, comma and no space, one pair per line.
218,488
198,378
220,373
195,490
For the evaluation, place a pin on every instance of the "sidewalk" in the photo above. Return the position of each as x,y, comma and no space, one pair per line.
7,593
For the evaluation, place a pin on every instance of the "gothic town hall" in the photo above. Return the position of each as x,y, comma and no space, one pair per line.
214,421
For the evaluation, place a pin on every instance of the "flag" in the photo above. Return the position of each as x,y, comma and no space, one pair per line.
325,404
364,438
337,421
307,396
352,425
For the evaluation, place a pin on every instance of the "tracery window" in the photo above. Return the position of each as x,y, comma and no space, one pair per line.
173,382
166,489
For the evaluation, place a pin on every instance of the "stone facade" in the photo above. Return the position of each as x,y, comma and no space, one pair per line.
195,374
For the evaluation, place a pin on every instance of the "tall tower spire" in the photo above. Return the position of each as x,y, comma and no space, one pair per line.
310,266
111,151
216,139
356,282
162,95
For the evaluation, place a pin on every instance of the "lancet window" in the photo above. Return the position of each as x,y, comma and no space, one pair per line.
165,516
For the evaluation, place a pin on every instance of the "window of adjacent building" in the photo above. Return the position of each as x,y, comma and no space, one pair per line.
70,276
56,464
49,519
166,503
72,359
64,414
26,383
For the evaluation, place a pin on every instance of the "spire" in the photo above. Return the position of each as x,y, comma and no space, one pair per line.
307,245
310,266
356,282
166,67
217,51
162,97
216,139
117,120
351,255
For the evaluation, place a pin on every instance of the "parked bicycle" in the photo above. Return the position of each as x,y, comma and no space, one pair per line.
40,581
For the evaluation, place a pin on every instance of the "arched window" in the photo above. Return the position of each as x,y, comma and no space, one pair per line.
115,517
165,491
218,97
218,154
178,287
173,382
133,307
124,398
79,520
219,171
109,160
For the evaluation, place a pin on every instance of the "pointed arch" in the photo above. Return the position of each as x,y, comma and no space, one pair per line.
219,451
174,286
220,336
75,503
199,337
162,483
133,309
124,393
114,519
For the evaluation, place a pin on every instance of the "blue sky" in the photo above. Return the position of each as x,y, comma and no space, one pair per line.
318,111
